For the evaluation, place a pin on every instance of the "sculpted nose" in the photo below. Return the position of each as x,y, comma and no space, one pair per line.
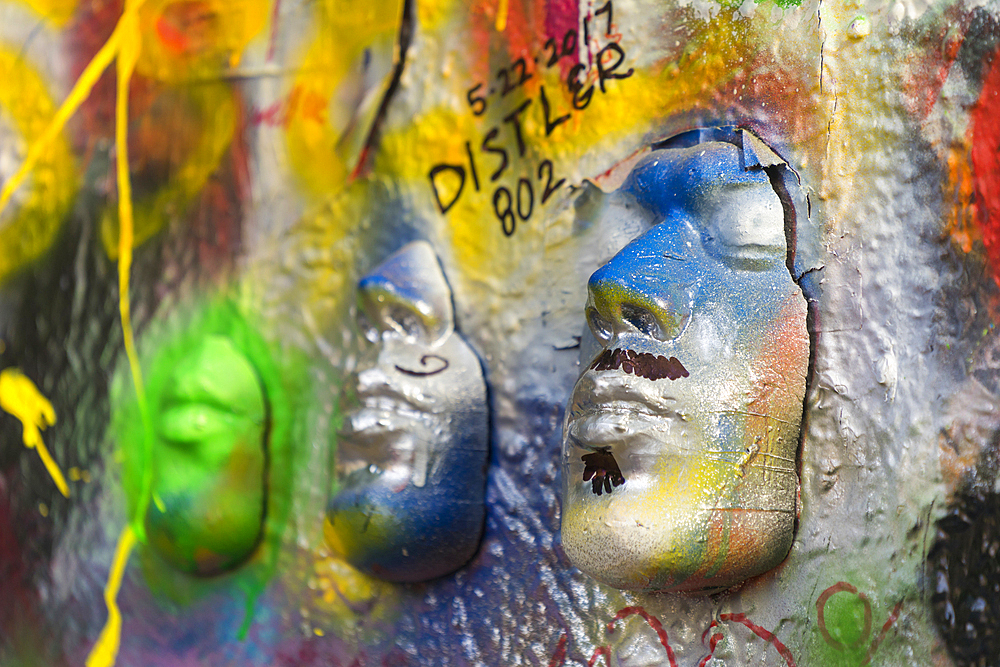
406,296
626,297
381,311
610,315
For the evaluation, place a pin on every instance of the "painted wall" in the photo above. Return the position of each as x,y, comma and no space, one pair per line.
163,161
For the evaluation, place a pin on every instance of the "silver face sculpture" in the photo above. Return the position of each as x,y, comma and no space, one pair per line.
680,439
413,447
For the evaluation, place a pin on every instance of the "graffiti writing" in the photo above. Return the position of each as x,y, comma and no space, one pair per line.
442,365
559,657
516,201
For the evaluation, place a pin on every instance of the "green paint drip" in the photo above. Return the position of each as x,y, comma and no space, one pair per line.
252,594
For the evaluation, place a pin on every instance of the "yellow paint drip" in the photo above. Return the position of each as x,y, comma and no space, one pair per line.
128,54
502,16
20,397
105,651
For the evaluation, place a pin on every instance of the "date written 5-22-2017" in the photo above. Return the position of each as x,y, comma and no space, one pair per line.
518,202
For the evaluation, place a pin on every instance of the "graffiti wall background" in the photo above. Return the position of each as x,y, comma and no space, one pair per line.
193,190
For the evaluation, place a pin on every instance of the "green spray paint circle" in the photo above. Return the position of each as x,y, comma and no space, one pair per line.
844,616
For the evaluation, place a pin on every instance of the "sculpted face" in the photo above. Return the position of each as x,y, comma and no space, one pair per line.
208,504
412,450
680,439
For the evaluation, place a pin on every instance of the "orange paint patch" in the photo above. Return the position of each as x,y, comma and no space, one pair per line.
172,38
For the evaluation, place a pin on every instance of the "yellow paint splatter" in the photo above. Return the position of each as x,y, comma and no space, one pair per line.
43,509
105,651
343,592
20,397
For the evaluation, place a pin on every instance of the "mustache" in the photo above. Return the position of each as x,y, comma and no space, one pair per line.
643,364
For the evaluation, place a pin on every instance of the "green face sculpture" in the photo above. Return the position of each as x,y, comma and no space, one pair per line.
204,461
209,460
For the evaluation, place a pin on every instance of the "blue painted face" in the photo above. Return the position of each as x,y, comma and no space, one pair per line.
681,435
413,448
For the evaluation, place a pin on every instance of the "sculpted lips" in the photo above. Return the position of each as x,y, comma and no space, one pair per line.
616,411
643,364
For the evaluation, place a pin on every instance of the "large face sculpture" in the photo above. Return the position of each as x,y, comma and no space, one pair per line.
412,450
679,449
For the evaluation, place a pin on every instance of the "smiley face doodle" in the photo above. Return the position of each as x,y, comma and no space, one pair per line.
680,439
412,451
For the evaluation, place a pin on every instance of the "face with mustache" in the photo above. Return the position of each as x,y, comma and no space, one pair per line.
680,438
412,450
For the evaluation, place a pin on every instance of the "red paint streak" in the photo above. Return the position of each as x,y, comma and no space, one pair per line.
711,647
711,625
301,103
520,31
360,167
561,16
985,140
273,39
885,629
653,623
766,635
559,657
599,651
926,70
